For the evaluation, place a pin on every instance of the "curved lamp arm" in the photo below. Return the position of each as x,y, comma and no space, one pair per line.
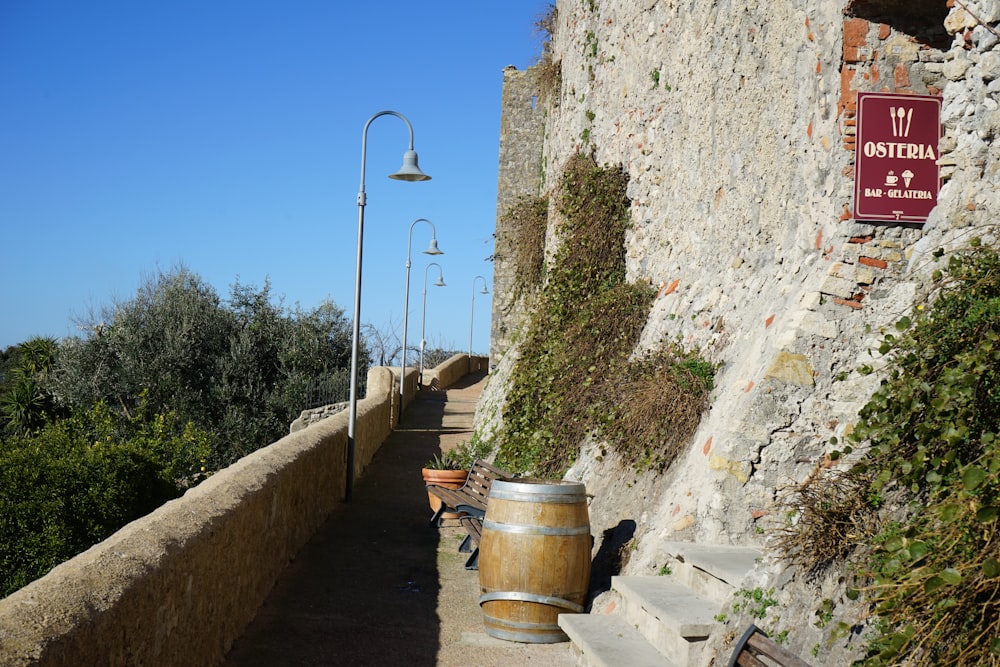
409,172
431,250
472,308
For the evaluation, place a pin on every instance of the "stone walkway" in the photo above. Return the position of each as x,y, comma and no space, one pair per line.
377,585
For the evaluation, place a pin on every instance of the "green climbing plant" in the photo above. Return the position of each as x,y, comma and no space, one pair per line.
576,376
926,552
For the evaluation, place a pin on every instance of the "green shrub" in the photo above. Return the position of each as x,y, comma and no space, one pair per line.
170,385
79,480
929,560
933,426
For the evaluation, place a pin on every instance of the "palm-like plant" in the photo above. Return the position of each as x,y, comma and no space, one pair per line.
37,355
25,403
22,405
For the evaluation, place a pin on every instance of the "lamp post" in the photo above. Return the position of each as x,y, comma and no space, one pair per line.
472,308
432,249
410,171
423,315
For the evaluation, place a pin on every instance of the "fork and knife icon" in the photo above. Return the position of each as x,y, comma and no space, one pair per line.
899,115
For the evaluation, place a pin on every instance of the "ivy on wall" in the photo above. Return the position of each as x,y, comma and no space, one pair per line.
575,376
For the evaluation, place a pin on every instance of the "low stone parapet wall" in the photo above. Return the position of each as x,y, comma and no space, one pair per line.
179,585
455,368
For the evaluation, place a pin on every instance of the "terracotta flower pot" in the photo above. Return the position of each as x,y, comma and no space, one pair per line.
451,479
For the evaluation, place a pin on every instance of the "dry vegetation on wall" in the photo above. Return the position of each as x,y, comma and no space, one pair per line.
574,377
832,514
521,243
549,81
549,72
914,521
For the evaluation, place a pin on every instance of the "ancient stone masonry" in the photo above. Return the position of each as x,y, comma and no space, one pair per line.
735,122
309,417
887,47
521,133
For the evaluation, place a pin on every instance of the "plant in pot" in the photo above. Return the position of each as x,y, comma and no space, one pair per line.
449,470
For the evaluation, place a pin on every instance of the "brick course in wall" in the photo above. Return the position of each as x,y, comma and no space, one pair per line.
878,57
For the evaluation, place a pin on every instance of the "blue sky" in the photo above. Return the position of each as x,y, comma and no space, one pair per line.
226,135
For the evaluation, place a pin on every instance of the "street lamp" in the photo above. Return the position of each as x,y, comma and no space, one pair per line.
432,249
410,171
472,308
423,315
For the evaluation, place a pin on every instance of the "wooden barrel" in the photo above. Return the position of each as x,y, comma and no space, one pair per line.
534,558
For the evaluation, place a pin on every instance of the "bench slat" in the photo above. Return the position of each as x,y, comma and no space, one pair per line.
455,497
745,659
474,527
754,643
472,497
768,647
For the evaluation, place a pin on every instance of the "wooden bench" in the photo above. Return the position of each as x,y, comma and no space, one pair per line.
755,645
472,497
470,501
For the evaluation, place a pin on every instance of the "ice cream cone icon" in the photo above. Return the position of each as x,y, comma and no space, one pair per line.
907,177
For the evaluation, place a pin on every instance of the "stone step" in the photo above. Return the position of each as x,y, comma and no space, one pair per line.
665,618
711,570
673,618
603,640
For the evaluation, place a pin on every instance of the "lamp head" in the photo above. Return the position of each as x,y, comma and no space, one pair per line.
440,282
410,171
485,291
433,249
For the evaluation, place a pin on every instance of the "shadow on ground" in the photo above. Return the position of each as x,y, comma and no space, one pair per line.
364,590
378,585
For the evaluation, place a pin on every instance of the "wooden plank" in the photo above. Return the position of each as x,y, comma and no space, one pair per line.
473,496
474,527
768,647
745,659
453,498
755,643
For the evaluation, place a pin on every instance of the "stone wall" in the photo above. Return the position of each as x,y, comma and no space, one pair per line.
442,376
453,369
735,122
522,123
179,585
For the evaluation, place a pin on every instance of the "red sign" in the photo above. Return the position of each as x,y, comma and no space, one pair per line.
896,172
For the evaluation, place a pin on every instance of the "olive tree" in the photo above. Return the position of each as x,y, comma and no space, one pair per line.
237,368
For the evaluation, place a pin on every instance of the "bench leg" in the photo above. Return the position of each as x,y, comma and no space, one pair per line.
466,545
472,563
436,519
